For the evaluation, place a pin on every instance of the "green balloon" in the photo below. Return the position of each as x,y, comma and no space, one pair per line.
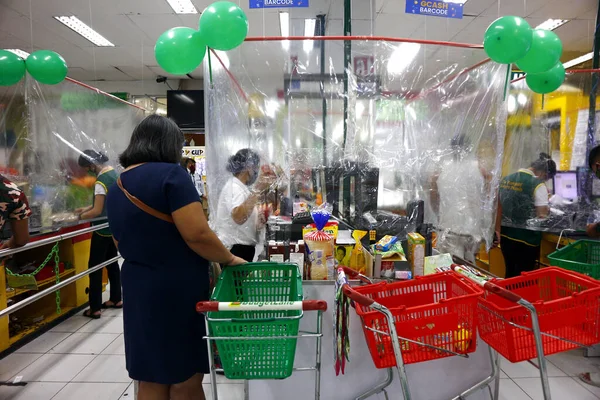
507,39
179,50
545,52
223,25
47,67
546,82
12,68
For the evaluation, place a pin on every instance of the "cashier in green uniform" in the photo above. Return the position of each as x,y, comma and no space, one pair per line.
593,230
524,195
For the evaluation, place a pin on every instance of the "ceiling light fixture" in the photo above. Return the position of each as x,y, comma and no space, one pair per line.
402,57
309,30
284,28
552,24
182,6
578,60
21,53
84,30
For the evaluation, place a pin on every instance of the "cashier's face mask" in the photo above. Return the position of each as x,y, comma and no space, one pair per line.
252,176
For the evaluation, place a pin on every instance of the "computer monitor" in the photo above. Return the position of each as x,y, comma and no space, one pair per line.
565,185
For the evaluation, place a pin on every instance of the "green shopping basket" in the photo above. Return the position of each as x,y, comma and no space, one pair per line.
254,357
583,256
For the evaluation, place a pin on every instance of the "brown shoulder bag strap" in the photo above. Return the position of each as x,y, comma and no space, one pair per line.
143,206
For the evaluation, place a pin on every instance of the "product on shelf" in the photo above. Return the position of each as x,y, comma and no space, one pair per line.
320,247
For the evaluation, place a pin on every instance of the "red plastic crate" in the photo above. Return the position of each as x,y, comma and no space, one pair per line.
439,310
568,306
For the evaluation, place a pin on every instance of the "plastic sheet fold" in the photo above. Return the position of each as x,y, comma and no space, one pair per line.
43,131
401,135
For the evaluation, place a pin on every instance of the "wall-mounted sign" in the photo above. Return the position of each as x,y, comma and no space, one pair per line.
364,65
434,8
278,3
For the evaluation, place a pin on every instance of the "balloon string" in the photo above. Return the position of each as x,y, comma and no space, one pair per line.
210,68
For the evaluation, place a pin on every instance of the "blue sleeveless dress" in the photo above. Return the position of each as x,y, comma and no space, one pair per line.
162,277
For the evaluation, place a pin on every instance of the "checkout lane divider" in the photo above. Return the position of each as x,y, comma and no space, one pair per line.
58,238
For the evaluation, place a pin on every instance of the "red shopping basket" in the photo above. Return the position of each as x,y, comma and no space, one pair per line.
438,310
567,303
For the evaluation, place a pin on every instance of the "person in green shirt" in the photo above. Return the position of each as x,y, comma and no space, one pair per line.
103,247
593,229
523,196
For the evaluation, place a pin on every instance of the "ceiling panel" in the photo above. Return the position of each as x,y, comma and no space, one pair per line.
567,9
139,72
397,26
513,7
112,74
476,7
115,56
119,29
154,25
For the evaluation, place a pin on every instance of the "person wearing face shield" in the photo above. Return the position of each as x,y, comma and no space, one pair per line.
238,221
523,196
102,248
455,198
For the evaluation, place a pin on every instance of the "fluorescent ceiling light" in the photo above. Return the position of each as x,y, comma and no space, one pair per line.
578,60
284,24
84,30
522,99
284,28
309,30
402,57
21,53
182,6
552,24
512,104
309,26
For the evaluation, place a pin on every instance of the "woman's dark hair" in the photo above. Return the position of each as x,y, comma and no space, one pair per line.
545,164
243,159
91,157
155,139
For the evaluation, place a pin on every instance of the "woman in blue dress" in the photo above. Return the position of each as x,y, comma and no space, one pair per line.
160,230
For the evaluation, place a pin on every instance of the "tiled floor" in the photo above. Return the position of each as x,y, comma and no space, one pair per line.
84,359
80,359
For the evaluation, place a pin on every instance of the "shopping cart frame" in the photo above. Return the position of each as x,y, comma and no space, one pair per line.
535,325
306,305
395,339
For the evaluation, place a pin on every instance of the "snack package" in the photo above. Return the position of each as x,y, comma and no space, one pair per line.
330,227
386,243
320,246
358,261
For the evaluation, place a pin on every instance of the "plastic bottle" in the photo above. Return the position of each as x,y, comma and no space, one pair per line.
46,214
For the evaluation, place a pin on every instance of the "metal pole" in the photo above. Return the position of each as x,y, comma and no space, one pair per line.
347,55
318,356
591,139
50,290
535,325
53,239
321,19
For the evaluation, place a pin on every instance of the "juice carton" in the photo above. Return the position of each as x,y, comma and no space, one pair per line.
416,253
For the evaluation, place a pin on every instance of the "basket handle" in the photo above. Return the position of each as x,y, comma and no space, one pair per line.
307,305
574,273
356,275
500,291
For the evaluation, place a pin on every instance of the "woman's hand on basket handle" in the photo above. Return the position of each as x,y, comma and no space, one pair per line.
236,261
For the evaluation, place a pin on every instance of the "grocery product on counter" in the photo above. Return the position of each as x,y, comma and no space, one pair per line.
386,243
432,263
320,247
402,275
416,253
361,260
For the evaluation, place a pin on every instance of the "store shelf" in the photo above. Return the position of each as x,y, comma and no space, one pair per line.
38,325
45,282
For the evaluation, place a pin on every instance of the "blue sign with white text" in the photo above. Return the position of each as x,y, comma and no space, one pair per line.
278,3
433,8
